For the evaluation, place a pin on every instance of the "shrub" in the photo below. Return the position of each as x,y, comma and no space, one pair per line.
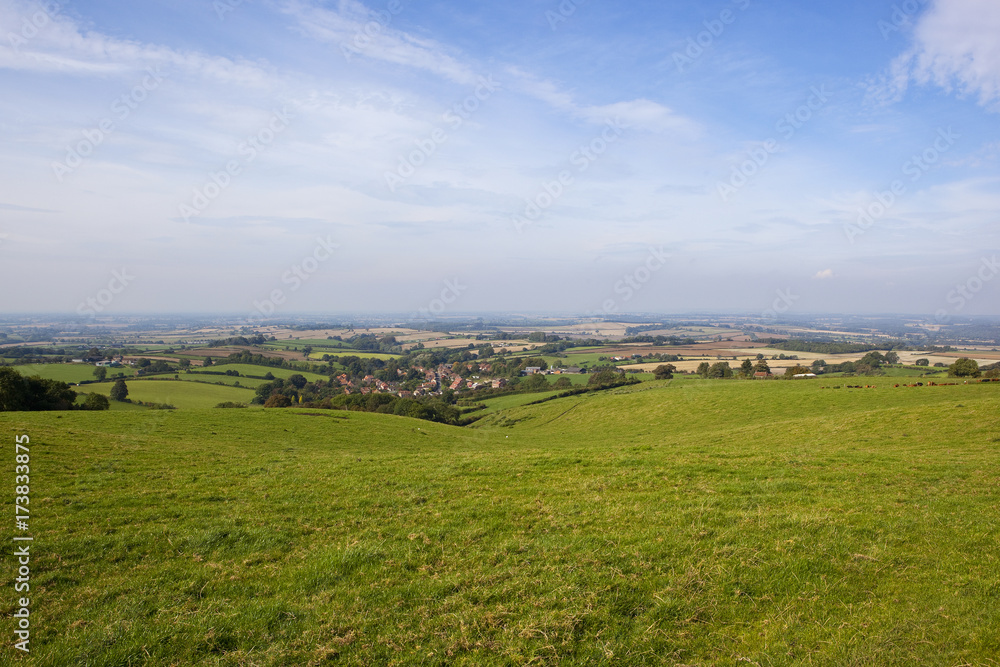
96,402
278,401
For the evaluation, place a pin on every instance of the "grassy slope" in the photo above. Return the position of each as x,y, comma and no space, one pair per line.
689,522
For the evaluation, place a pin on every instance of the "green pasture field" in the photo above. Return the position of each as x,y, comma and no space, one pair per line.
180,394
229,380
578,379
512,401
673,522
349,352
261,371
71,373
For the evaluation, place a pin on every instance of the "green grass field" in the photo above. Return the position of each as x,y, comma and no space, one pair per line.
681,522
318,355
251,383
72,373
180,394
512,401
260,371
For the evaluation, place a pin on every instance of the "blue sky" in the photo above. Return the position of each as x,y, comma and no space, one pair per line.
275,156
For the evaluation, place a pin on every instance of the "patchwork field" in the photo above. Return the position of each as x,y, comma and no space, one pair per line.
681,522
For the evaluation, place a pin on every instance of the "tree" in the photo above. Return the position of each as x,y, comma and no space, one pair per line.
762,367
184,363
535,382
873,360
100,373
703,369
33,393
746,368
818,366
563,383
720,370
119,391
96,402
795,370
144,363
207,361
891,357
964,368
607,378
923,362
664,372
298,381
278,401
306,351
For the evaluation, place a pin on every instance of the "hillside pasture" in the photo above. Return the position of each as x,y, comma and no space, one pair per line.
676,522
180,394
259,371
71,373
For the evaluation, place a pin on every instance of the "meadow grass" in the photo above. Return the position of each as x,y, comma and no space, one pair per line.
513,400
678,522
180,394
259,371
71,373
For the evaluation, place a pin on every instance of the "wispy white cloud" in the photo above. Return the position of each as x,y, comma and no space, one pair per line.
956,48
357,31
48,41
